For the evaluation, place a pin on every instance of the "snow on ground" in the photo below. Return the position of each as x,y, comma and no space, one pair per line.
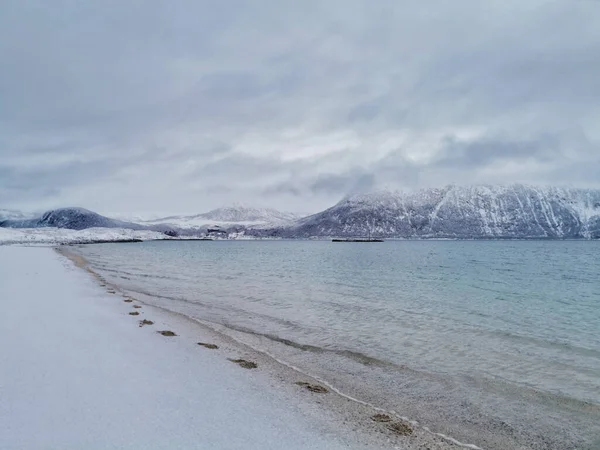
201,222
236,215
77,372
55,236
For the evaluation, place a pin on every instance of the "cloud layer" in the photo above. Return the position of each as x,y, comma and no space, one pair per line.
181,107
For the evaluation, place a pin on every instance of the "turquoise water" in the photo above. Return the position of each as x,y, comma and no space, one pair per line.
497,336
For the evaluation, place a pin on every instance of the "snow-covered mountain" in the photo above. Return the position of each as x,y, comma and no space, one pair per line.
470,212
231,216
81,219
464,212
71,218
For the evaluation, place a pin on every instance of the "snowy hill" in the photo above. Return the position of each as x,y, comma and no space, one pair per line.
71,218
81,219
476,212
231,216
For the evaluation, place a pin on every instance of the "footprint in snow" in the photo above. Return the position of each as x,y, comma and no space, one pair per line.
166,332
245,364
211,346
313,387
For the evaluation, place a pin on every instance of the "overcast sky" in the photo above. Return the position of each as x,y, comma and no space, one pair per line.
182,106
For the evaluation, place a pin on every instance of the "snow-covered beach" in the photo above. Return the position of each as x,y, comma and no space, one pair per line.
58,236
78,371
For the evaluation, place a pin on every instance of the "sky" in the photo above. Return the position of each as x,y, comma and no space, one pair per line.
150,106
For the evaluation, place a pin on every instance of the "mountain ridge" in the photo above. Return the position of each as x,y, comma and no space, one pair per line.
234,215
77,218
464,212
515,211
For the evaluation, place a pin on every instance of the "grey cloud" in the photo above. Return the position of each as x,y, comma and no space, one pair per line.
556,161
481,152
340,184
188,105
285,188
330,184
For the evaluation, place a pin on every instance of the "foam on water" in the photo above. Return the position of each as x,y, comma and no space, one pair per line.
492,343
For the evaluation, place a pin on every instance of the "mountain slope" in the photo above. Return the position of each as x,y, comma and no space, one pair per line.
75,219
232,215
470,212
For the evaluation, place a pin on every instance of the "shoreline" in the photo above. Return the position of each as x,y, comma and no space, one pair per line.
344,408
82,366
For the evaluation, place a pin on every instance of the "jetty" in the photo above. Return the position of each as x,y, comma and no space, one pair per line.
357,240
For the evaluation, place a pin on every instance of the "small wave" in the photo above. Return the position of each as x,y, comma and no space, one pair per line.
350,354
119,271
502,386
552,344
225,311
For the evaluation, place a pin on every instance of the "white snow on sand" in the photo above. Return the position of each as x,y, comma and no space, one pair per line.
76,372
56,236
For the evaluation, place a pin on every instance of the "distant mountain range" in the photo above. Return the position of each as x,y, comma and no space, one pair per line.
233,219
460,212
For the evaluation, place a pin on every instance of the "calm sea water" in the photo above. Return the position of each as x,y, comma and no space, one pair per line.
495,343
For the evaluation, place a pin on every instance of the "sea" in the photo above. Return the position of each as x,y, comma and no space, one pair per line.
494,344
